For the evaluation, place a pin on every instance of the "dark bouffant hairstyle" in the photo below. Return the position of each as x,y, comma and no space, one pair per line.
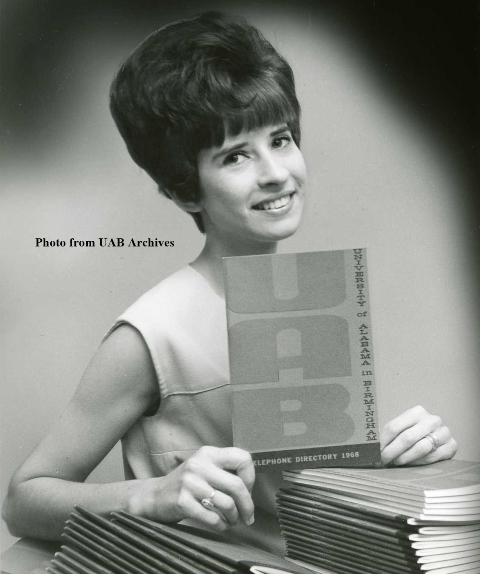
191,84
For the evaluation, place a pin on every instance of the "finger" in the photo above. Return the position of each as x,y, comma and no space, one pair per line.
423,448
226,506
223,505
229,484
201,489
213,464
443,452
409,437
239,461
190,507
401,423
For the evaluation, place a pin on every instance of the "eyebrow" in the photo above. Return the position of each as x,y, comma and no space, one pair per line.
240,145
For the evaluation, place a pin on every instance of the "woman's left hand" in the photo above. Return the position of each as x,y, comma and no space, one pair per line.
416,437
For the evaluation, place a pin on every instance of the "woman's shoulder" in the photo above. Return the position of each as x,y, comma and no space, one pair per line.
181,281
185,286
179,299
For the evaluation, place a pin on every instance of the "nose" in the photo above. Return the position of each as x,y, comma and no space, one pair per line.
271,170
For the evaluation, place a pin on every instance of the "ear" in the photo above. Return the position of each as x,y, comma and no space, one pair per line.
185,205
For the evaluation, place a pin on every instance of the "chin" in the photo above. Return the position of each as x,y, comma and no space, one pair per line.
281,232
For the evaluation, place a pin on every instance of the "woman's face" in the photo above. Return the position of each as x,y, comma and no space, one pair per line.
252,187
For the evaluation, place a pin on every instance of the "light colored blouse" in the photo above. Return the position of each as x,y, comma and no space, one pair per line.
183,323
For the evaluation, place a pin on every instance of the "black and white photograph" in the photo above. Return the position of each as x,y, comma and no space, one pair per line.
240,254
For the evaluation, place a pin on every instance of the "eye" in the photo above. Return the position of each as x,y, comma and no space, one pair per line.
234,158
282,141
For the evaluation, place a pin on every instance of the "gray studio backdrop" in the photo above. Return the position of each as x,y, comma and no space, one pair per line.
379,177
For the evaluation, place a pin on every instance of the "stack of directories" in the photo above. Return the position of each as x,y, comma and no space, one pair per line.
381,521
128,544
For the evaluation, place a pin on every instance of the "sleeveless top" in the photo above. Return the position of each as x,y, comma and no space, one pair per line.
183,323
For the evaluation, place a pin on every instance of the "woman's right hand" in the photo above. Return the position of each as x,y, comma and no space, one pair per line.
118,387
225,475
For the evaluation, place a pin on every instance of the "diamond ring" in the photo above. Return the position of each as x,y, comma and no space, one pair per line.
208,501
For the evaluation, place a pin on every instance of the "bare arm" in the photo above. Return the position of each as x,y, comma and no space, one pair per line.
119,386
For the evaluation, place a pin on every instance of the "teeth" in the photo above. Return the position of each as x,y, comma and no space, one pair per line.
276,204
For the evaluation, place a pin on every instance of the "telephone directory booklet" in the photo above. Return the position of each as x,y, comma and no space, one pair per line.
301,359
390,520
447,491
128,544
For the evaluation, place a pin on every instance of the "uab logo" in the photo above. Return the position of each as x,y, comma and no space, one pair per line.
287,334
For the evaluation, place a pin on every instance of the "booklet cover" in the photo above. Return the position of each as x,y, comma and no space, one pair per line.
333,523
129,544
444,483
301,359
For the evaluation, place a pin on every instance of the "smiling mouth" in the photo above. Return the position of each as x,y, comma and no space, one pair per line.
275,204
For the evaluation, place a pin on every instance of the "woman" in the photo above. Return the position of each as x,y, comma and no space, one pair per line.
208,108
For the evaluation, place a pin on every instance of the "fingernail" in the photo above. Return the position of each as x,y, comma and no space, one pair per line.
250,520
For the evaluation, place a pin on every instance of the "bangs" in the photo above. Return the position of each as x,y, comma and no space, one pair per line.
250,107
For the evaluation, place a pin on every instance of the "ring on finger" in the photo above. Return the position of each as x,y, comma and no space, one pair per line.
432,437
207,502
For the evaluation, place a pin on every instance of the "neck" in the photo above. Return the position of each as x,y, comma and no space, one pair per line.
209,262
